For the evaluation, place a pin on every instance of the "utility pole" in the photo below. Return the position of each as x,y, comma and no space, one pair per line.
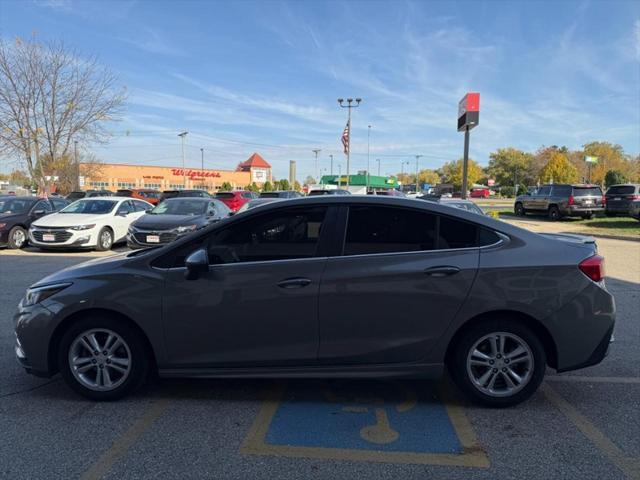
515,180
317,151
417,171
378,160
339,175
184,173
202,166
465,163
75,160
349,106
331,168
368,151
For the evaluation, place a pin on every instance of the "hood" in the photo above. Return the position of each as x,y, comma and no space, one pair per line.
68,219
85,269
168,222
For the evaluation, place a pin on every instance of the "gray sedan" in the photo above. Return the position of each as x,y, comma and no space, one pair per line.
327,287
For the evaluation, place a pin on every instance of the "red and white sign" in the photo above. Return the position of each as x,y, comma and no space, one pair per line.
194,173
491,182
469,111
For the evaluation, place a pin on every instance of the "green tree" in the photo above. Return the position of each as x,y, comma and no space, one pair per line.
226,187
253,187
452,171
284,184
559,170
296,186
614,177
267,187
610,157
510,165
21,179
428,176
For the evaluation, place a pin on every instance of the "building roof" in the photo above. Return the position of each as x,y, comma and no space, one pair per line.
254,161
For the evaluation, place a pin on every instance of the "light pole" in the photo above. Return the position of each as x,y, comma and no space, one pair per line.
202,166
417,170
368,151
184,174
317,151
402,168
331,168
339,175
349,106
378,160
75,159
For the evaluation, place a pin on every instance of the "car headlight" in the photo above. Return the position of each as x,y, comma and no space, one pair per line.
186,228
38,294
83,227
2,225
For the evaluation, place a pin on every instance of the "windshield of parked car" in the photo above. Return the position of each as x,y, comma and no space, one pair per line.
15,205
586,191
621,190
272,194
469,206
96,207
180,207
225,195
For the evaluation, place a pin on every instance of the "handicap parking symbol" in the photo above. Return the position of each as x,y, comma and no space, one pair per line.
401,422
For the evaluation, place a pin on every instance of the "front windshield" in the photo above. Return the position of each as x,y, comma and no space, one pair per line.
95,207
180,207
15,205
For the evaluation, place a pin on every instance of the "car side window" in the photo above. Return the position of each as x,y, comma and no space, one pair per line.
281,235
140,206
374,229
454,233
561,190
43,205
125,208
59,204
544,191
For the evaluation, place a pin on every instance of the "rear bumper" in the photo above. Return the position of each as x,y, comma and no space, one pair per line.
618,208
581,210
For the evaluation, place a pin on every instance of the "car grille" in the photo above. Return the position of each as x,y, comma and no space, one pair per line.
59,235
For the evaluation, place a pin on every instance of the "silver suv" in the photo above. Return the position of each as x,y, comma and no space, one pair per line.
561,200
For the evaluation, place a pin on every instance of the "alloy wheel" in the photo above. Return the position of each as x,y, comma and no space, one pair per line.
19,238
500,364
105,239
100,359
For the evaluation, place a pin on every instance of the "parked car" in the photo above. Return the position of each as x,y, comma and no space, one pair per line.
634,209
453,202
561,200
166,194
174,218
17,214
311,287
236,199
281,194
620,197
391,192
256,203
480,193
88,223
146,194
77,195
332,191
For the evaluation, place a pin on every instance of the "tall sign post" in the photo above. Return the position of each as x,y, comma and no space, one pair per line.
468,117
590,161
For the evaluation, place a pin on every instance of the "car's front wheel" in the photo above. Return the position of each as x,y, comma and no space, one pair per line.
519,210
554,213
105,239
498,363
17,237
103,358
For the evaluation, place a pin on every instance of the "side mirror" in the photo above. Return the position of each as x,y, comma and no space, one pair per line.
197,263
39,212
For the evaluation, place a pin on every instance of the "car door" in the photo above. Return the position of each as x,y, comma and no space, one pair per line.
258,303
541,200
124,215
403,275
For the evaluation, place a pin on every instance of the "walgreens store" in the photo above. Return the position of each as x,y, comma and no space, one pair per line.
114,176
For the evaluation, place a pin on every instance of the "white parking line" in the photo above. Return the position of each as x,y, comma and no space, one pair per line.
581,379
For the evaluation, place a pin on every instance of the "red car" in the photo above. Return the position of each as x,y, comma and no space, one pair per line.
234,200
480,193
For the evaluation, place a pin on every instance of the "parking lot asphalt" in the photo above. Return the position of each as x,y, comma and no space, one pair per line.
583,424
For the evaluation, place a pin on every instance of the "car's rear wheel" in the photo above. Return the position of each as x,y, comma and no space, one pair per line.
498,363
105,239
519,210
588,216
609,214
554,213
17,237
103,358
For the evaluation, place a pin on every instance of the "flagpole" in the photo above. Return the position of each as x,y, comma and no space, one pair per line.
349,106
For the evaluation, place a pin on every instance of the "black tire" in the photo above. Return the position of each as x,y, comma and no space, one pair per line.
140,360
99,244
519,210
609,214
553,213
15,234
457,362
589,216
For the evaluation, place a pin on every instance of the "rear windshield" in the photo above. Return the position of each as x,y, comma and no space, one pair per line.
586,191
124,193
269,195
180,207
225,195
318,192
622,190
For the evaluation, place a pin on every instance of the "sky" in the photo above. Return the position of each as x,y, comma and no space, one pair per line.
244,77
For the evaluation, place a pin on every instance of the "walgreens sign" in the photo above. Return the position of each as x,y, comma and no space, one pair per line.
179,172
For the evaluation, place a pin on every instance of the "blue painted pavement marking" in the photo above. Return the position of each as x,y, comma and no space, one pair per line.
365,415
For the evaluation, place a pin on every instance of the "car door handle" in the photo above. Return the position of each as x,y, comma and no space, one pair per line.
294,283
442,271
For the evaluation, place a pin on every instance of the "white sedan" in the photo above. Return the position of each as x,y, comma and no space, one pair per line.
88,223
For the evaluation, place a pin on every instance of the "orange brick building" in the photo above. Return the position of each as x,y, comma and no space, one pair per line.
114,176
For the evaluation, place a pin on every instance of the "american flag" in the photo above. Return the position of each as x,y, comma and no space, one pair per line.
345,139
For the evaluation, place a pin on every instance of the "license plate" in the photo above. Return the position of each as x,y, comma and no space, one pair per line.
617,198
48,237
153,239
588,202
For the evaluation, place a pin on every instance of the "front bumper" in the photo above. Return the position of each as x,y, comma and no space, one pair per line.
34,327
64,238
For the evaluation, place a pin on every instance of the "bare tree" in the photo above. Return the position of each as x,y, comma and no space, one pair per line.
49,99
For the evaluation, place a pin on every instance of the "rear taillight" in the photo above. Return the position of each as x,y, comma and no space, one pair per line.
571,201
593,267
604,200
634,197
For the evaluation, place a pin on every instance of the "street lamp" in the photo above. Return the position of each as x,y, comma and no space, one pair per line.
339,175
378,160
417,170
349,106
331,168
184,176
317,151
